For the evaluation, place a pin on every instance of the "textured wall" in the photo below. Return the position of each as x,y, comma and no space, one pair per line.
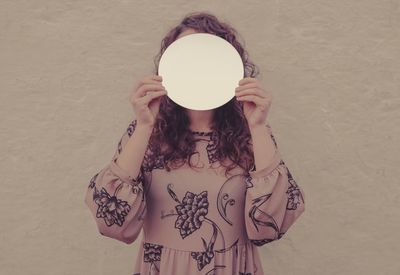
68,67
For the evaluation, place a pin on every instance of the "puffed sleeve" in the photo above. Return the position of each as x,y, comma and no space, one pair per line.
116,200
273,201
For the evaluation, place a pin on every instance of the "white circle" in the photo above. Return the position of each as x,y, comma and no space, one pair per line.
200,71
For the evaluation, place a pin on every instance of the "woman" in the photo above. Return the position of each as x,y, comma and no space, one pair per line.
189,178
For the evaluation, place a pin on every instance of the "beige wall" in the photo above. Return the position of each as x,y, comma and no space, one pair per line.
67,68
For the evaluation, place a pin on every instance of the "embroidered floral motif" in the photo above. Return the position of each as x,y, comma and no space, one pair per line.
225,198
93,181
295,197
268,220
211,148
131,128
152,161
212,271
203,258
138,183
271,134
265,218
111,209
152,253
191,212
261,242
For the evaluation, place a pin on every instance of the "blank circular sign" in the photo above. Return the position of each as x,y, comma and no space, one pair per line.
200,71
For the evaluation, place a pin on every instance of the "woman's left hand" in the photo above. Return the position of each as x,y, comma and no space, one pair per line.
256,101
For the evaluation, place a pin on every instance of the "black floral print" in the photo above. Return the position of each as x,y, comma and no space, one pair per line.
131,128
268,220
212,271
257,202
92,182
152,253
272,135
262,242
111,209
212,144
211,148
295,196
203,258
293,200
224,200
152,160
191,212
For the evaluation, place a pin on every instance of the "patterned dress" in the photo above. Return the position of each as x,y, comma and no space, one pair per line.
195,220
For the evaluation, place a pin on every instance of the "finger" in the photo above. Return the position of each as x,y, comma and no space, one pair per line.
252,91
247,80
252,98
247,85
153,77
149,97
148,88
148,80
157,77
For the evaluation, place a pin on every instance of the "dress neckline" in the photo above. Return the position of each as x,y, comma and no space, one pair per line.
202,133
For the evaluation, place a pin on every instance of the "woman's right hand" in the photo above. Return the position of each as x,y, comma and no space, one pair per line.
145,99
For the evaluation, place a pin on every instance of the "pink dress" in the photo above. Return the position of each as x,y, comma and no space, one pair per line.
195,221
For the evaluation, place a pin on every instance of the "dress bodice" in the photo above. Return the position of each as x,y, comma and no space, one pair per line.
191,204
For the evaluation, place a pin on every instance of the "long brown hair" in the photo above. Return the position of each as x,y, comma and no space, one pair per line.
229,124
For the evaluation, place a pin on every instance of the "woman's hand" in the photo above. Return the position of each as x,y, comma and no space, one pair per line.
256,101
145,99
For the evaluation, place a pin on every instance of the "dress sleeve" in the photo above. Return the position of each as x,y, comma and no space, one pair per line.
274,200
116,200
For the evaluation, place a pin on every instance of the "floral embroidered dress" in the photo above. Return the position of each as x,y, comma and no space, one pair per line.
195,220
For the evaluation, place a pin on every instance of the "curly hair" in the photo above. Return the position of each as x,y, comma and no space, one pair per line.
171,128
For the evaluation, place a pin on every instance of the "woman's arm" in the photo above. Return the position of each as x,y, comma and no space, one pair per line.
264,146
274,200
131,158
115,195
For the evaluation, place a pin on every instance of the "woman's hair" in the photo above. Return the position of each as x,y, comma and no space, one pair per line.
229,124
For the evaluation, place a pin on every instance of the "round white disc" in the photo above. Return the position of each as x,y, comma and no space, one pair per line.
200,71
